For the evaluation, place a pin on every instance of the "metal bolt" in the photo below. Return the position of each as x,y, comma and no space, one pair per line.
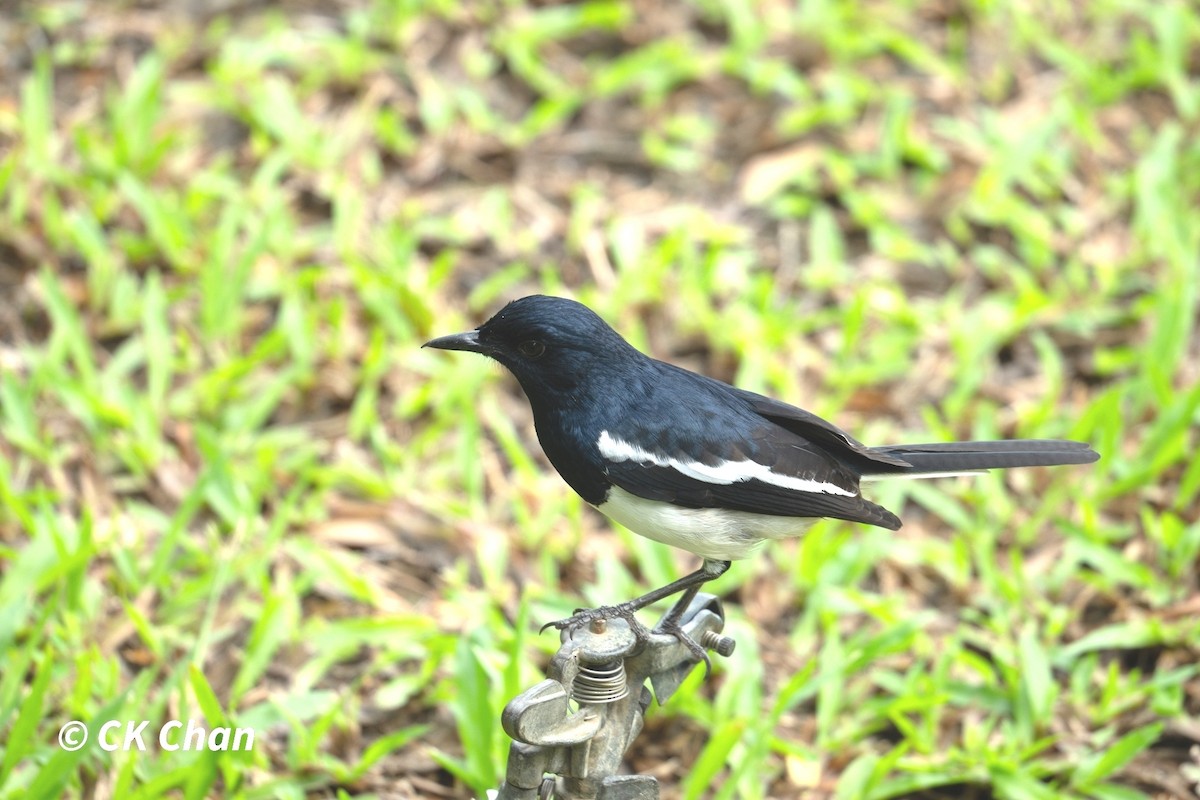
723,645
599,625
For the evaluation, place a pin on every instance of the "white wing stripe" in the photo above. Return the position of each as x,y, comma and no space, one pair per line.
726,472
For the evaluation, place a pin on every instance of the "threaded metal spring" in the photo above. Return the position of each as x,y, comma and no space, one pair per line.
600,683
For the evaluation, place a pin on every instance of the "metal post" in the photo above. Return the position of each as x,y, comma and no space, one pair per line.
570,732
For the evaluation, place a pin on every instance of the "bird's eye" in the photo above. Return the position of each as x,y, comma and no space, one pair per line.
531,349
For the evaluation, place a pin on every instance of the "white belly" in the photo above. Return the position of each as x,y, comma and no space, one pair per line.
712,533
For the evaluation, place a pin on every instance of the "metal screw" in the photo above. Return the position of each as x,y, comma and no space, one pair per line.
723,645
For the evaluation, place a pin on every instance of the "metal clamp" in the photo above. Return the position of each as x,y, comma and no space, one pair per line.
578,723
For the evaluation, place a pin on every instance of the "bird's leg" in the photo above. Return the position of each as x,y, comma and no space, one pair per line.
689,584
670,623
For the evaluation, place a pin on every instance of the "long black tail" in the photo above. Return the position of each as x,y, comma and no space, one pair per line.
952,457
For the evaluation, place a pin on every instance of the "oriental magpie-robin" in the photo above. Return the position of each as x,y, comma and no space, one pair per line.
694,462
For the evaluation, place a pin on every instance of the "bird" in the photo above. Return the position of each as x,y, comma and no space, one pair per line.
693,462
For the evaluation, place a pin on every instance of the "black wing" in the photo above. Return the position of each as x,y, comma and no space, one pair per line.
753,496
694,470
834,440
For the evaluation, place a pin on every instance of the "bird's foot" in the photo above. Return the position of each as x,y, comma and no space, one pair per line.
595,617
671,627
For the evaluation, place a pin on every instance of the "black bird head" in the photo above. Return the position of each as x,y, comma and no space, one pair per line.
552,345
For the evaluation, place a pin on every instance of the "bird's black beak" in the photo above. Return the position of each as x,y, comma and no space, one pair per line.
468,341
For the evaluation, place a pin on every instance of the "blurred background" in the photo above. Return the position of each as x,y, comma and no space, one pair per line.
233,488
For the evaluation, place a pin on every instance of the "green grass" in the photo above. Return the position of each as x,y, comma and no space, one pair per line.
233,489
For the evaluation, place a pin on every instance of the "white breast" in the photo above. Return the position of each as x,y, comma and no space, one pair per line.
713,533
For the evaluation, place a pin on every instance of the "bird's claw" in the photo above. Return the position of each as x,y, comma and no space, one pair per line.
671,627
589,616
